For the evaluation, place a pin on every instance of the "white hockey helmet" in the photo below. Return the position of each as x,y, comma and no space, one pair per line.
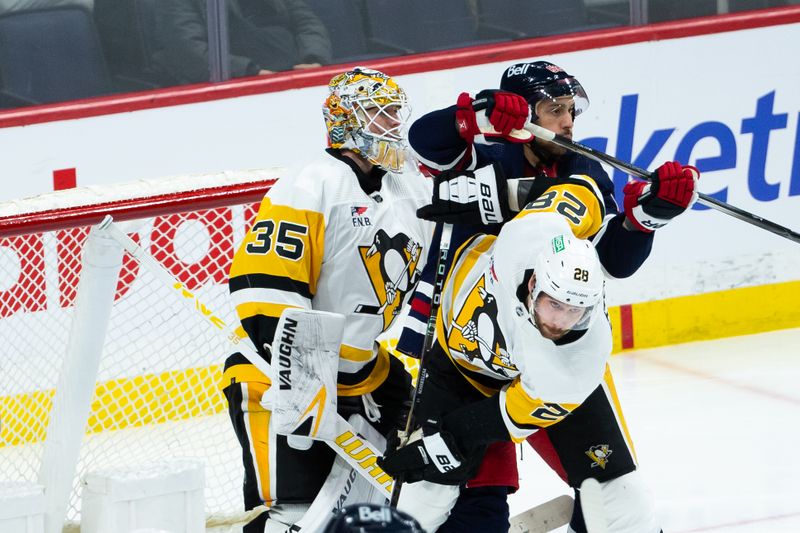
568,270
367,112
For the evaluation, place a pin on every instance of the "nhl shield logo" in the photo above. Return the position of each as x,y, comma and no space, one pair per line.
599,455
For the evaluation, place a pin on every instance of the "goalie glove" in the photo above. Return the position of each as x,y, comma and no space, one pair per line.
671,191
469,197
493,116
430,454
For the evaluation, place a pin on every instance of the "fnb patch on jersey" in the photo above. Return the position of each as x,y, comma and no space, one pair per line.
359,217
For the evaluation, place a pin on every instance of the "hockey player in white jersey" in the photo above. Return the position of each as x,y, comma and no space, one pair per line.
340,235
522,340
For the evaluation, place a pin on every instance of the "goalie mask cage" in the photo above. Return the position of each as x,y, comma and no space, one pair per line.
154,395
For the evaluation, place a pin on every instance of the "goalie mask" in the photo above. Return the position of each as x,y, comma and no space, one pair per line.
369,517
367,112
568,285
542,80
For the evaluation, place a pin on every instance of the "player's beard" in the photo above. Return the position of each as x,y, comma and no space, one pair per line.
551,150
547,331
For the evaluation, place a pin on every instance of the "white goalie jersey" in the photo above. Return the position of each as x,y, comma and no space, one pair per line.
487,331
320,241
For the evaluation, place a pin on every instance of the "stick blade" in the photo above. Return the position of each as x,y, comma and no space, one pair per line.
544,517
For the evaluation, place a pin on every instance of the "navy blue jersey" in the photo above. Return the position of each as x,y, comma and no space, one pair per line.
439,147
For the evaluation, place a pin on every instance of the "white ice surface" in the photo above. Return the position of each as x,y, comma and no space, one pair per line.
716,426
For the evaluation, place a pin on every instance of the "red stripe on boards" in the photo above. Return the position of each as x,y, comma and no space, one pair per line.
626,325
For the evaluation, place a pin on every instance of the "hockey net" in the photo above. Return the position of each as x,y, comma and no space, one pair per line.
156,393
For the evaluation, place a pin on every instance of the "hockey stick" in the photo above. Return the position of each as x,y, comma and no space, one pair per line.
704,199
359,453
436,294
546,516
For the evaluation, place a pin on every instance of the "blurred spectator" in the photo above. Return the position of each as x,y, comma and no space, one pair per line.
265,36
7,6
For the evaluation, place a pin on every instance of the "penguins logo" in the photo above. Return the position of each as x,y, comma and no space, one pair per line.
475,332
599,455
391,264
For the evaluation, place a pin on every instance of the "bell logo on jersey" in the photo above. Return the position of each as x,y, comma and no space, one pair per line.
391,264
359,218
599,454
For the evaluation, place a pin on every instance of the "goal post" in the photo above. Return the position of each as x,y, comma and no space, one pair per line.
100,268
101,367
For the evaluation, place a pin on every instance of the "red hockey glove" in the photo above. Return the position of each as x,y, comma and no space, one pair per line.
493,116
671,191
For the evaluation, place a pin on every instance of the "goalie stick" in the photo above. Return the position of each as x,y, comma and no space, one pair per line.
359,453
628,168
544,517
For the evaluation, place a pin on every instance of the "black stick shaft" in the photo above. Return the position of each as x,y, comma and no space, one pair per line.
430,334
633,170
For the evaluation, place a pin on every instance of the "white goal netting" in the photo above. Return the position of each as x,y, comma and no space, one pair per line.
156,394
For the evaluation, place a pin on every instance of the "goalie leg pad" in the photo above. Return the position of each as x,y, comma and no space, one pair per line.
627,506
344,485
282,516
429,503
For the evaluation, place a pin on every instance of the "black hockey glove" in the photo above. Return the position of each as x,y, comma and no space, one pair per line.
477,197
431,455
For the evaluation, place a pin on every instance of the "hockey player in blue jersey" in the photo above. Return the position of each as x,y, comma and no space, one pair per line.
486,168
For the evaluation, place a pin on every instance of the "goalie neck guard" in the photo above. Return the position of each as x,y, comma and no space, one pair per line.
369,517
367,112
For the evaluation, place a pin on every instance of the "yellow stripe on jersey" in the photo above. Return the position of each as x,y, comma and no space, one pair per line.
577,200
284,242
527,414
251,309
612,390
355,355
259,439
377,376
243,374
